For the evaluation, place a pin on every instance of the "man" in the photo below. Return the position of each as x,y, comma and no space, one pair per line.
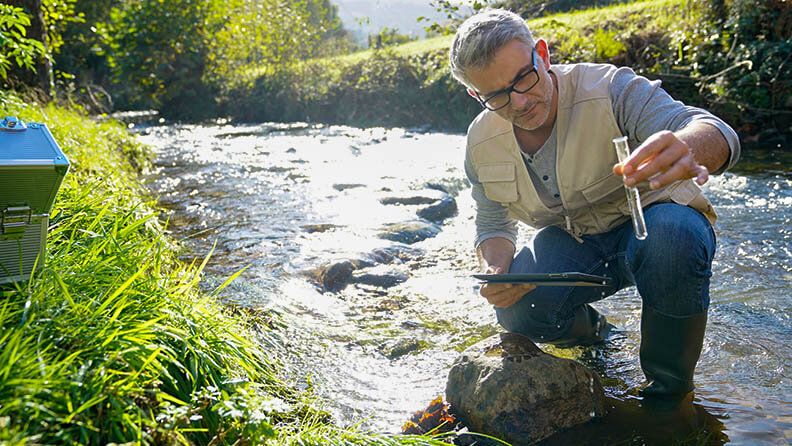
541,152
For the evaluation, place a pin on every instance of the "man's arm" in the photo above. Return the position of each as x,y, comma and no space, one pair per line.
496,235
679,140
495,255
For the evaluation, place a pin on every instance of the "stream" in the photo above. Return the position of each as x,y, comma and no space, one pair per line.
287,201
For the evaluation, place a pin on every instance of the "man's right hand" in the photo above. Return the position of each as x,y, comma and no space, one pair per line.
503,294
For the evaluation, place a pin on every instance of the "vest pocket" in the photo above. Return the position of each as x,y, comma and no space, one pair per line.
499,181
605,188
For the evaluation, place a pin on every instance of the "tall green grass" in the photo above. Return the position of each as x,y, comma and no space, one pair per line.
113,342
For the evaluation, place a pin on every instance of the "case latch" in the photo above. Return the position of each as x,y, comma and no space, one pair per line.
14,219
12,124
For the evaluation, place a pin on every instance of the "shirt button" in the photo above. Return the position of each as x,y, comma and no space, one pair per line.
545,178
557,195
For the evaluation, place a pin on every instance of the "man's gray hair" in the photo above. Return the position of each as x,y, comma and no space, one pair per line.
481,36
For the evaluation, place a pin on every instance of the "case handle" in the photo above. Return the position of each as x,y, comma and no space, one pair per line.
12,124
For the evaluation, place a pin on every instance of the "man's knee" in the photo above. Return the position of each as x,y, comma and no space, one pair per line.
679,238
672,266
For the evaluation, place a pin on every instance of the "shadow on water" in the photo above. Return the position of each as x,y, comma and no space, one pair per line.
287,200
633,422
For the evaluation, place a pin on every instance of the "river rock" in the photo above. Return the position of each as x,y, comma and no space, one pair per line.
336,275
395,253
410,232
440,210
400,348
379,277
344,186
505,386
424,196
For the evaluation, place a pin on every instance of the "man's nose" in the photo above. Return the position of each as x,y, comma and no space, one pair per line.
518,100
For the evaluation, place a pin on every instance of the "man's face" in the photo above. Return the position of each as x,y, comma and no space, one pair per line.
529,110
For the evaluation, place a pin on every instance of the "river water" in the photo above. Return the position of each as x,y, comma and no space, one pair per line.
284,200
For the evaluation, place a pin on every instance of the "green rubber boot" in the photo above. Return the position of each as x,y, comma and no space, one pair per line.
589,327
670,349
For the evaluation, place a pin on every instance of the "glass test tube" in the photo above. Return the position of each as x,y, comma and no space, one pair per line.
633,197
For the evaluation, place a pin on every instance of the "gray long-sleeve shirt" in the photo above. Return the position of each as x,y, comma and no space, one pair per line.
641,107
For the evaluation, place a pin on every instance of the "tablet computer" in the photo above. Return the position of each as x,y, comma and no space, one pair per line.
547,279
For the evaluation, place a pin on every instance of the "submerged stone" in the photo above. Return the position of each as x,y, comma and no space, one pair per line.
401,348
379,277
440,210
335,276
425,196
395,253
505,386
410,232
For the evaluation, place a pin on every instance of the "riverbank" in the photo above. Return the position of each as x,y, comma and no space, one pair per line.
114,341
675,41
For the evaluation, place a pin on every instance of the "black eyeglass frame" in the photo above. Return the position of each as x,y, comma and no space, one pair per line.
511,88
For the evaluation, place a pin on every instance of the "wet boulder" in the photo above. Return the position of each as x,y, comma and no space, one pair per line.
410,232
505,386
424,196
335,275
439,210
379,277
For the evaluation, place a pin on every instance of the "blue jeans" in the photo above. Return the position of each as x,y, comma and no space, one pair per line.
671,269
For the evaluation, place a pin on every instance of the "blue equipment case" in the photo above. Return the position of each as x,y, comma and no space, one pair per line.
32,167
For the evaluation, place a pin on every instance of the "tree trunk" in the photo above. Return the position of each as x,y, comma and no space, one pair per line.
42,79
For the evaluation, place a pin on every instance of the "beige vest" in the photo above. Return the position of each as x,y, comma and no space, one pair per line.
593,197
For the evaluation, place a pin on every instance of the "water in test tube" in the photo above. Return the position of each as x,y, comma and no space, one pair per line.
633,197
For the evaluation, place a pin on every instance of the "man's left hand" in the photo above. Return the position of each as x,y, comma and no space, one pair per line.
662,159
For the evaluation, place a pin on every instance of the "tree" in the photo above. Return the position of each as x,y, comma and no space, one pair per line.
40,76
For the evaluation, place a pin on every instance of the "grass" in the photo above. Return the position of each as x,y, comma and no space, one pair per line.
112,342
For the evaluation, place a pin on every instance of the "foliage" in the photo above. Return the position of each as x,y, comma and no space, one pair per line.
453,13
15,47
58,15
178,55
385,88
388,37
159,52
742,62
530,9
82,69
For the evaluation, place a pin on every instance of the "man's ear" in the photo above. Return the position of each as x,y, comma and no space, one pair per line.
543,51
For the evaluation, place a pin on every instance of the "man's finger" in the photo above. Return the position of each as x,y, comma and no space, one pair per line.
702,175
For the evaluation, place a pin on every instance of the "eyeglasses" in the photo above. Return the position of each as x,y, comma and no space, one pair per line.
522,84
